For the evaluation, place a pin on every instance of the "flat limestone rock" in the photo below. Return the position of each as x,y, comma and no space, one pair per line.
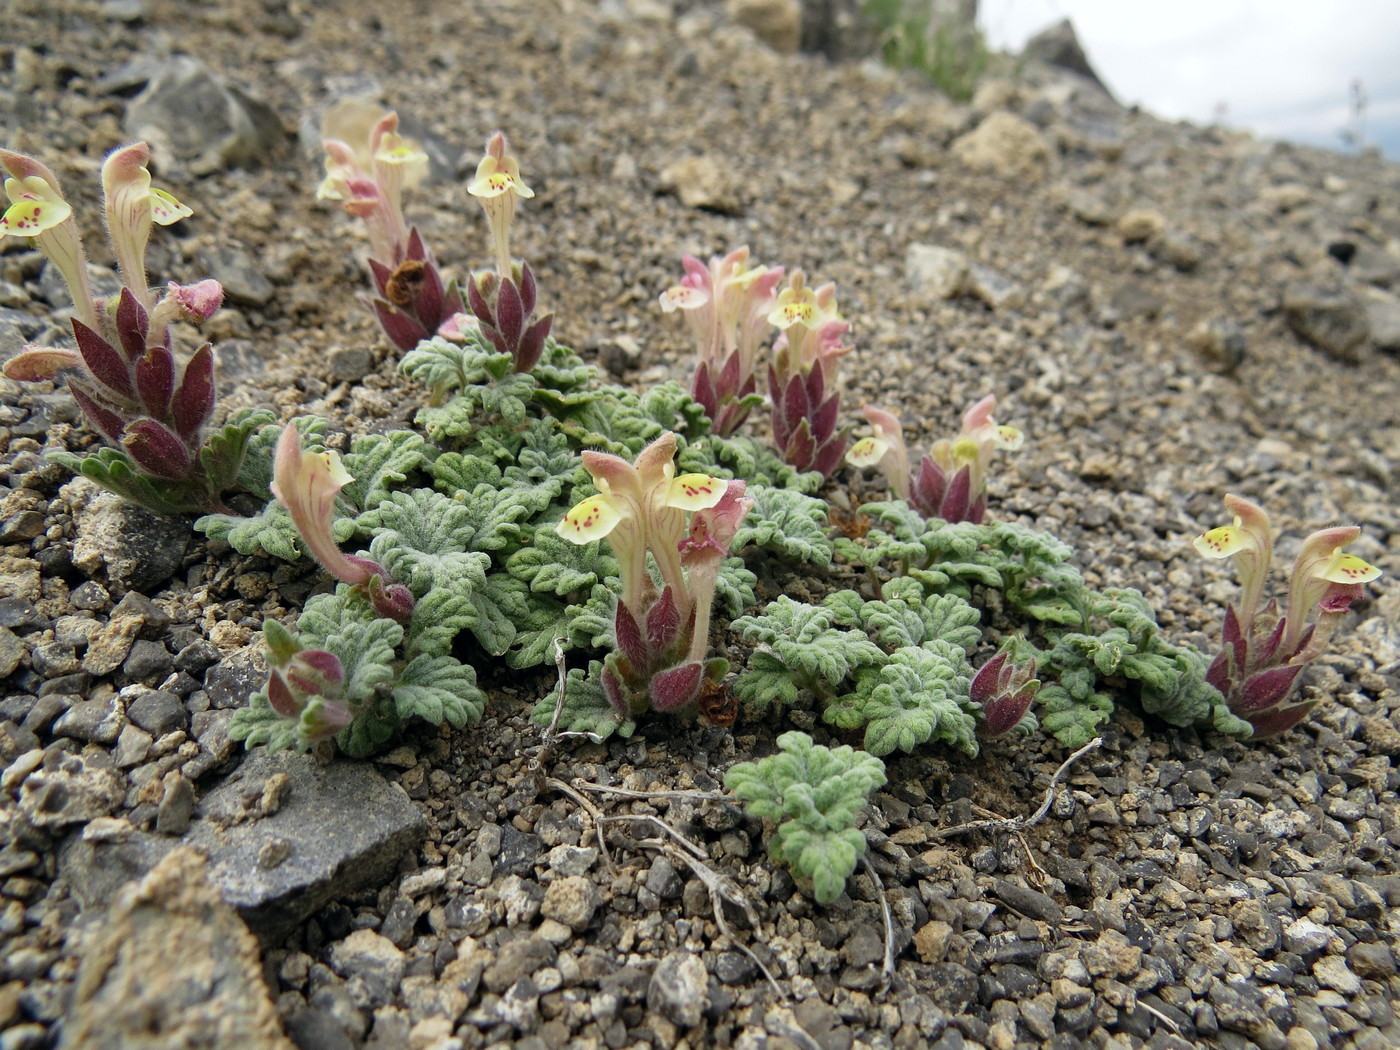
284,835
172,965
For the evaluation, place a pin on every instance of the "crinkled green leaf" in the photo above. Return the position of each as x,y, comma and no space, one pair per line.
734,587
786,523
380,463
802,638
455,472
815,794
439,689
501,603
585,708
555,565
420,537
258,724
765,681
438,617
920,694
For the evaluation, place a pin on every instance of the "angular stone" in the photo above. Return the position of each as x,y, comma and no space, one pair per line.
67,789
345,824
1334,321
939,272
1005,144
138,549
571,900
678,988
200,118
158,712
172,965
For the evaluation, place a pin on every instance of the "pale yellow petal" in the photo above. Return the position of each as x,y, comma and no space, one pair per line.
590,520
695,492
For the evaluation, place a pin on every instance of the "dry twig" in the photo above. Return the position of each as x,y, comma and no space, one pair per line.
1017,824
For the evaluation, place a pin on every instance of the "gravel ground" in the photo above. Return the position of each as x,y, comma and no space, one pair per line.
1169,312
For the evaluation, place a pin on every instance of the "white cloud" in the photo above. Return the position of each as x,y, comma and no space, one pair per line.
1281,68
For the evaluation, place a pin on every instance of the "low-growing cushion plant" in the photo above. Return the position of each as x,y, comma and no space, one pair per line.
814,795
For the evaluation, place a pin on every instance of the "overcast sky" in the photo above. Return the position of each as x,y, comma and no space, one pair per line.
1281,68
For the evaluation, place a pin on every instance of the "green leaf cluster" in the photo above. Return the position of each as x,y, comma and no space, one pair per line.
895,668
1091,642
814,794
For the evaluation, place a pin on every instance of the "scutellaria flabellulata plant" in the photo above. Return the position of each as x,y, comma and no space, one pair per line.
537,510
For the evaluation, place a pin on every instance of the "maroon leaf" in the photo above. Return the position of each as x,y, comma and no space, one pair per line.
527,355
1005,712
800,448
613,689
133,325
729,377
509,317
1272,723
403,330
1219,672
796,407
1267,651
1266,689
815,382
390,601
958,496
103,419
428,305
987,682
824,418
702,388
194,398
663,623
527,289
978,510
106,365
316,671
928,488
476,297
775,394
828,457
157,450
280,696
415,248
380,275
629,636
155,380
673,689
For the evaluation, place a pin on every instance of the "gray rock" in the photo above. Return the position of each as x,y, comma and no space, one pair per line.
571,900
192,115
346,825
137,549
176,805
158,712
374,959
678,989
172,965
95,721
11,651
516,960
1058,45
240,274
349,364
1028,901
1383,317
939,272
1331,320
69,789
997,291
